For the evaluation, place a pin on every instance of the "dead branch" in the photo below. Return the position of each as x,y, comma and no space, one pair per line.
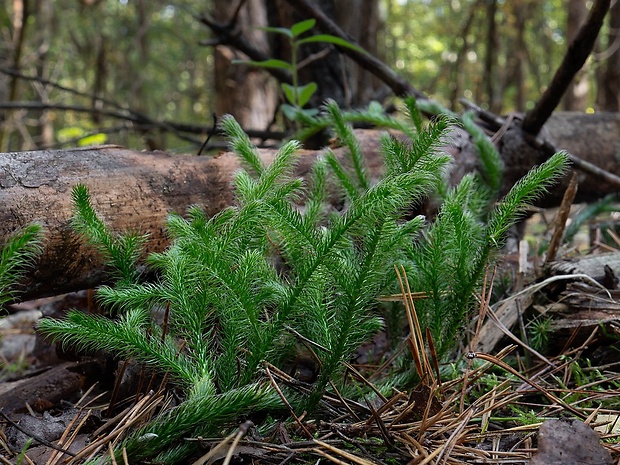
139,120
497,122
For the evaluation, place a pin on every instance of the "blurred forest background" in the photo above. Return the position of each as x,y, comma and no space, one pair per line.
150,73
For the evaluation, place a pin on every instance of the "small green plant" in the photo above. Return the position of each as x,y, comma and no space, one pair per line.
14,368
297,95
243,285
539,330
22,453
120,251
589,214
524,417
16,257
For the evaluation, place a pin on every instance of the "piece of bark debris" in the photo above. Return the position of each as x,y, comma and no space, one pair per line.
569,442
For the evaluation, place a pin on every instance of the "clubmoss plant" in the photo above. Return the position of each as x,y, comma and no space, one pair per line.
450,262
244,285
16,257
120,251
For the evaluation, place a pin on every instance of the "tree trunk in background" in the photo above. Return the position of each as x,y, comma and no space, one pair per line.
19,22
139,98
576,96
456,74
490,59
522,14
609,87
362,21
249,94
45,24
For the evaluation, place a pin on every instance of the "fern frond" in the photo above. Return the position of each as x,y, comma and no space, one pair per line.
413,112
447,259
125,337
377,117
433,107
345,134
240,143
347,185
316,201
202,414
402,156
282,165
373,115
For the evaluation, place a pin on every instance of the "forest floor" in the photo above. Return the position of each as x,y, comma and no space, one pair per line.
554,399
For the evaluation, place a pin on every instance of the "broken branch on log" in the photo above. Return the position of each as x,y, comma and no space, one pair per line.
548,147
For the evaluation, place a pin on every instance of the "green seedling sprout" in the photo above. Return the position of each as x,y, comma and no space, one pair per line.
298,95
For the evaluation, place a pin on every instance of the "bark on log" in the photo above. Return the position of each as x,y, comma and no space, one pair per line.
41,391
137,190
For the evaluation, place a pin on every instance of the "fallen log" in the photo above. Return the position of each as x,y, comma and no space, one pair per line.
42,390
137,190
130,190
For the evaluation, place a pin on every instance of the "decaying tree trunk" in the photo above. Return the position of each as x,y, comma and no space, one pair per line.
136,190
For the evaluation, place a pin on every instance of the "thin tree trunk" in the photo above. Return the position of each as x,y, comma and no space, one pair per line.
490,59
45,18
249,94
520,45
361,20
576,97
610,87
458,74
21,13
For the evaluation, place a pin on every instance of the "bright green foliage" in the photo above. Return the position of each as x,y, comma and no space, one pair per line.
414,112
16,257
526,190
121,252
296,94
231,303
283,261
449,264
374,115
